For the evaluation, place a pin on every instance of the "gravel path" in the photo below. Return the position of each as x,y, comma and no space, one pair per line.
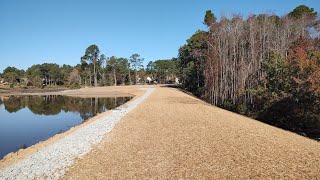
175,136
51,161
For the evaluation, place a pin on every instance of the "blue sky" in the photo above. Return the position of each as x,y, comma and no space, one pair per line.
38,31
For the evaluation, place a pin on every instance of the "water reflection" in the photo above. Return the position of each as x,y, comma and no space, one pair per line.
54,104
26,120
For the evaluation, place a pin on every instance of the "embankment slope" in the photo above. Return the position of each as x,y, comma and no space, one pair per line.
173,135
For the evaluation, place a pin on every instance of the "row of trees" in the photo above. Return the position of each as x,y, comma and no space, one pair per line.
37,75
164,71
94,69
264,66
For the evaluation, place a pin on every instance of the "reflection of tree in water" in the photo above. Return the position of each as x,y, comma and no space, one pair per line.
54,104
13,103
44,105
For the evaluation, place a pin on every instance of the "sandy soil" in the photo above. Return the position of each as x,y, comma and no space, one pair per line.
5,91
109,91
84,92
173,135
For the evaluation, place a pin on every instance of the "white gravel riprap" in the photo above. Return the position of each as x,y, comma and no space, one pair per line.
52,161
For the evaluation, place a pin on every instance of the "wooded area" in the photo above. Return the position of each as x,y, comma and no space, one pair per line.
265,66
95,69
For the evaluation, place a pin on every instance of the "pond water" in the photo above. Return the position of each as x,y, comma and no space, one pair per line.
26,120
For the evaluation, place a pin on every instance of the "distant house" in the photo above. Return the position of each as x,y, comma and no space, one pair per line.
138,80
177,81
3,83
149,80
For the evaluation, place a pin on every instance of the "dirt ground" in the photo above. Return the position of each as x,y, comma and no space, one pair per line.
5,90
173,135
107,91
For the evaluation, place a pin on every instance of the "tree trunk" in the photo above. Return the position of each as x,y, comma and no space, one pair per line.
114,77
130,82
95,75
135,76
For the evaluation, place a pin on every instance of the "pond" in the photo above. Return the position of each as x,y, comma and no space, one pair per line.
26,120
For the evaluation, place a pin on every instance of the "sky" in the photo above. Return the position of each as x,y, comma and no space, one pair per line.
59,31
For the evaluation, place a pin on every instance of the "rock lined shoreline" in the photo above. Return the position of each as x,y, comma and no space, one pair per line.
51,161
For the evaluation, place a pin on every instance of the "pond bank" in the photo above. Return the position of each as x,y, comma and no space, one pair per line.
18,90
51,157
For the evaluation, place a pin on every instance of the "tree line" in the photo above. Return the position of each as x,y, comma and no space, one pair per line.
94,69
264,66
